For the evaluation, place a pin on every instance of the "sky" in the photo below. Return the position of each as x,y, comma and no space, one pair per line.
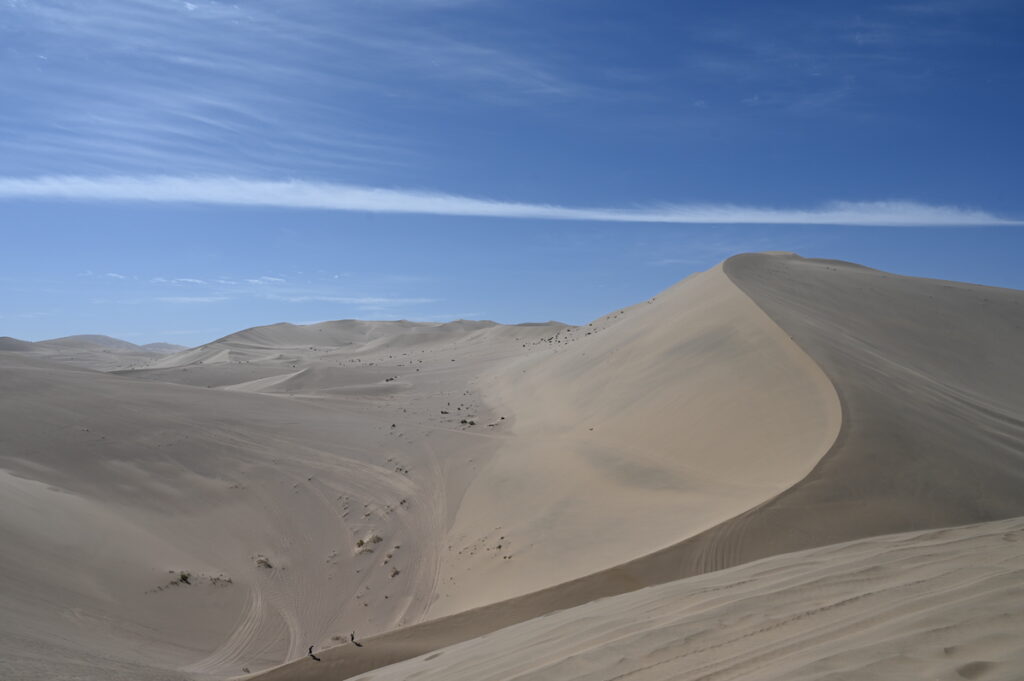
176,171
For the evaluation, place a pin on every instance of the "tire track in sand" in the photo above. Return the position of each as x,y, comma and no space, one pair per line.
229,654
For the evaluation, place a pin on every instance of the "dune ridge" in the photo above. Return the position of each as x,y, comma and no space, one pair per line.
712,335
929,375
647,426
91,351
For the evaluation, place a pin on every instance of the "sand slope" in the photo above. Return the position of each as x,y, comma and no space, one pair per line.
114,487
633,433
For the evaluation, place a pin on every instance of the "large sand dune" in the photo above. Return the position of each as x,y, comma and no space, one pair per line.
643,428
930,375
426,484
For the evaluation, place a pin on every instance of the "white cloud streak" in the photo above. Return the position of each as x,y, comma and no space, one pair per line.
349,300
192,299
343,197
266,280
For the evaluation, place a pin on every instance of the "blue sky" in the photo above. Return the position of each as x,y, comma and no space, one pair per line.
180,170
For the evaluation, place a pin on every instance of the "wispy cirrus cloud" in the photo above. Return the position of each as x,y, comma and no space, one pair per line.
362,301
363,296
177,280
192,299
205,86
344,197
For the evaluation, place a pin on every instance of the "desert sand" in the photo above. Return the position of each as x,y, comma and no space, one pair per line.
705,484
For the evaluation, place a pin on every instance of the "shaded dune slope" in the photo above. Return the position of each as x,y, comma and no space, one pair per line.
929,374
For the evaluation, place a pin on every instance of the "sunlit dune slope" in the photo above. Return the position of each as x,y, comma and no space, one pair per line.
634,433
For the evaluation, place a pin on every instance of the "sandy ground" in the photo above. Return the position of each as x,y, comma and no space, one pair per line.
428,484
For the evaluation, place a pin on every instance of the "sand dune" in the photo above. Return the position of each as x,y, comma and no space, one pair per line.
354,339
929,374
428,484
751,535
14,345
101,353
645,427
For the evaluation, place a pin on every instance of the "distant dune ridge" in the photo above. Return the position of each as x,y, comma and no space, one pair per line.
101,353
706,483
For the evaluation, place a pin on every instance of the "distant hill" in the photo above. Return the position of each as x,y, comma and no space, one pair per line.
263,342
15,345
164,348
92,351
88,340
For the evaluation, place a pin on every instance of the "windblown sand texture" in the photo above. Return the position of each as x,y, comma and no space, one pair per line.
703,485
